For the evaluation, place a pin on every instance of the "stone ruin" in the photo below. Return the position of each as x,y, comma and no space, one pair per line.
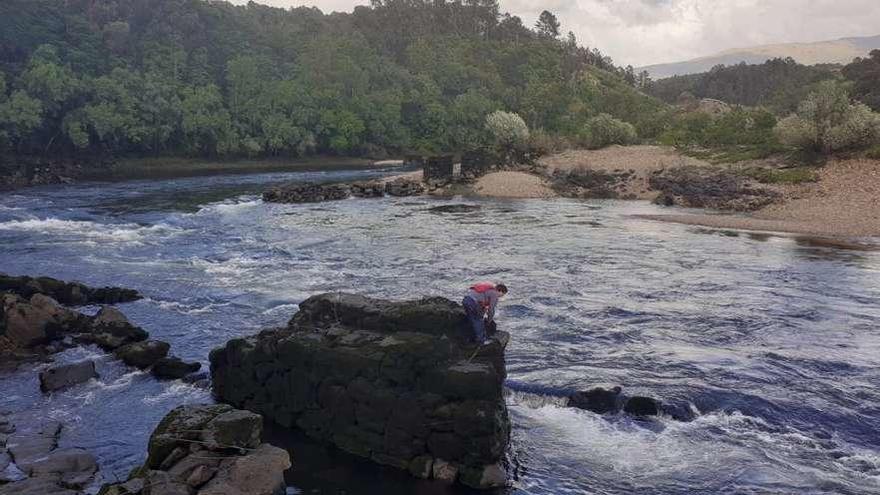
439,169
394,382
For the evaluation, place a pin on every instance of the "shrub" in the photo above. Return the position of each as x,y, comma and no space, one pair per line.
874,153
604,130
543,143
827,122
509,130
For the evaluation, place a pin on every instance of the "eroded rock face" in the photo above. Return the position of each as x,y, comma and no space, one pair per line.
207,450
395,382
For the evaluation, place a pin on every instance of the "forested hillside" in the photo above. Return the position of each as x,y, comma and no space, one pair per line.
206,78
778,84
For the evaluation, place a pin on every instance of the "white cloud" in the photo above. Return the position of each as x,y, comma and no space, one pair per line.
642,32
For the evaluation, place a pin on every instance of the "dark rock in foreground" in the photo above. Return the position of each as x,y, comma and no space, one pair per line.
390,381
59,377
207,450
69,293
613,401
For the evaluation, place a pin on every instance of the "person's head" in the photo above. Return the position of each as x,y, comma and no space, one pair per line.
501,288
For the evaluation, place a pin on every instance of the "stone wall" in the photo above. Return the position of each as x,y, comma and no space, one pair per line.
475,164
395,382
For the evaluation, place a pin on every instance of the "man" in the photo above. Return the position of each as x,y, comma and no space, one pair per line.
479,303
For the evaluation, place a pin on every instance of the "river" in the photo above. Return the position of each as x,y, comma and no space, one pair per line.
775,341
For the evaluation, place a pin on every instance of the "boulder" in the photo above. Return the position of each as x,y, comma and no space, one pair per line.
597,400
394,382
207,450
37,486
110,330
69,293
39,320
75,466
144,354
28,447
63,376
174,368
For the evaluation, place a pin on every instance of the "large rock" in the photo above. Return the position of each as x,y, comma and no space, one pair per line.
174,368
597,400
110,330
70,293
402,187
207,450
395,382
36,321
144,354
63,376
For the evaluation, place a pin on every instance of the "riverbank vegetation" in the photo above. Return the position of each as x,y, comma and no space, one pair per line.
209,79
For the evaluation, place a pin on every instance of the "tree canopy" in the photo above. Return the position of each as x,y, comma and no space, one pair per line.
210,78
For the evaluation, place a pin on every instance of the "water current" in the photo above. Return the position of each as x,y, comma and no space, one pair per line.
774,341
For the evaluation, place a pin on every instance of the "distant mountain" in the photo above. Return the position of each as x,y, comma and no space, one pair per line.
841,51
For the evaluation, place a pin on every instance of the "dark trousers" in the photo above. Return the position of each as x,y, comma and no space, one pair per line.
475,316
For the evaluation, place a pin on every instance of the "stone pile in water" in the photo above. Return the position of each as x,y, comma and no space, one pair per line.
395,382
34,325
207,450
314,193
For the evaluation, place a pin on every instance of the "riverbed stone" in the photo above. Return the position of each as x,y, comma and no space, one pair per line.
174,368
642,406
28,447
110,330
233,429
395,382
66,375
598,400
143,354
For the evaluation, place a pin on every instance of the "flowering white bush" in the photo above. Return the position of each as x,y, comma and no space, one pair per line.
826,121
508,129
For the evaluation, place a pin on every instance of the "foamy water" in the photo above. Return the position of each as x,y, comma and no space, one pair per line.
771,340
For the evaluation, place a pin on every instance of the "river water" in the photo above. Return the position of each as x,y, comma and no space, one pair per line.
775,341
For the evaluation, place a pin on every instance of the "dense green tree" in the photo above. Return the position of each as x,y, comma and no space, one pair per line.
865,75
547,25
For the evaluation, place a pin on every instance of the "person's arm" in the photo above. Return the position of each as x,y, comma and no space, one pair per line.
493,301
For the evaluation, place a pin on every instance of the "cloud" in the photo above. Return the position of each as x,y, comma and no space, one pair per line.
642,32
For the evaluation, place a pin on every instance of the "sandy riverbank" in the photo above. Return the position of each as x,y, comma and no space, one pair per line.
845,202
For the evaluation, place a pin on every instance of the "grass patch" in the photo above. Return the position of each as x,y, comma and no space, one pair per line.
732,154
873,153
796,175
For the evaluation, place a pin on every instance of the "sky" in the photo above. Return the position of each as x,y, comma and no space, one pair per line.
644,32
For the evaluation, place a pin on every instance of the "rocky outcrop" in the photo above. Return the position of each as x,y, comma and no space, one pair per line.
28,323
703,187
32,464
403,187
66,375
315,193
68,293
586,183
207,450
395,382
144,354
111,330
613,401
31,172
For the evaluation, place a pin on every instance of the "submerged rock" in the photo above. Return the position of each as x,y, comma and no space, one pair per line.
597,400
395,382
174,368
207,450
69,293
642,406
59,377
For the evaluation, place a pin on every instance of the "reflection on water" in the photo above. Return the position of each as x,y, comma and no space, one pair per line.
772,338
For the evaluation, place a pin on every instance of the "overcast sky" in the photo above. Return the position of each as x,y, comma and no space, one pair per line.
643,32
